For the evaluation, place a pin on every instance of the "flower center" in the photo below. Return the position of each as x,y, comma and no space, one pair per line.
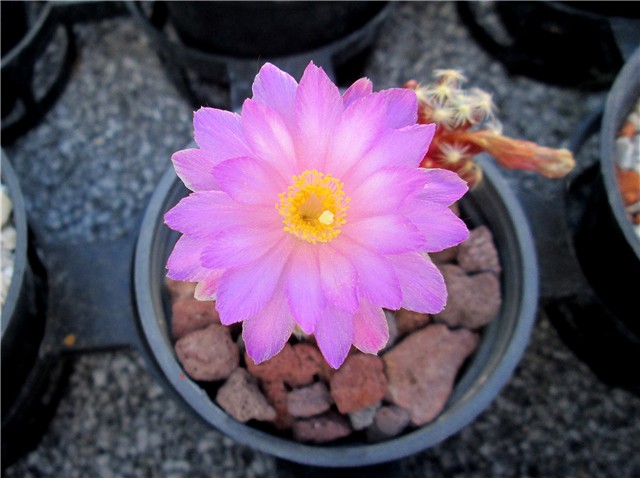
314,207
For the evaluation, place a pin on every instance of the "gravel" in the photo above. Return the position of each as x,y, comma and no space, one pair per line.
88,169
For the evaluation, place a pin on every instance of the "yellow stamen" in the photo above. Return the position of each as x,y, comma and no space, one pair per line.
314,207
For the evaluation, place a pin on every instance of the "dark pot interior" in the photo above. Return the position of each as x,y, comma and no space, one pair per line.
248,29
502,344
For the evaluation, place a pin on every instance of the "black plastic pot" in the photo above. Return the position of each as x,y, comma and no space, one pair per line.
606,244
23,104
254,29
227,59
601,324
31,383
578,44
502,344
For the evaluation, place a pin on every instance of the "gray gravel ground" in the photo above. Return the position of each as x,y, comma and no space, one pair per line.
87,172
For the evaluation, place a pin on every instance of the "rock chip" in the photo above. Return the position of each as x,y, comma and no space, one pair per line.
188,315
408,321
389,421
321,429
309,401
363,418
478,252
473,301
276,393
360,382
241,398
179,290
286,366
422,368
208,354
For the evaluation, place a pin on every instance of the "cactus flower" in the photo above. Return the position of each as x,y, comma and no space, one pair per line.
309,209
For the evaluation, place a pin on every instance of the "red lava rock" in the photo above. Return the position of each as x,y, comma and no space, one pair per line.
276,393
422,368
309,401
360,382
208,354
478,252
179,290
192,314
408,321
473,301
321,429
311,360
241,398
285,366
388,422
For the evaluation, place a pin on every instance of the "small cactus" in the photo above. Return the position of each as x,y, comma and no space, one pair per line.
466,125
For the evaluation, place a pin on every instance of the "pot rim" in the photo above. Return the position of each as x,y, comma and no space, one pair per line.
493,366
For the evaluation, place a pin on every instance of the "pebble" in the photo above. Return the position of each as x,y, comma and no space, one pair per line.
409,321
241,398
422,368
321,429
389,421
360,382
208,354
189,315
478,252
361,419
309,401
473,301
285,366
277,393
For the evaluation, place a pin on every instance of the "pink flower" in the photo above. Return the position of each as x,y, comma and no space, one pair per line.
310,209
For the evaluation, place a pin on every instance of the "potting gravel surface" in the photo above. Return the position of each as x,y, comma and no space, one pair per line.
87,172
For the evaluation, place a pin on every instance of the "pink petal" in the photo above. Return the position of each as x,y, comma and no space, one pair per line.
244,291
220,134
423,288
334,334
206,213
249,181
184,261
358,130
267,332
276,89
385,190
439,226
207,288
377,280
269,137
388,234
370,328
239,246
402,107
443,187
399,147
318,107
339,279
304,288
195,169
357,90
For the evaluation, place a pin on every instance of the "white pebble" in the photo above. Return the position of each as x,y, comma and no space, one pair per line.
5,206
